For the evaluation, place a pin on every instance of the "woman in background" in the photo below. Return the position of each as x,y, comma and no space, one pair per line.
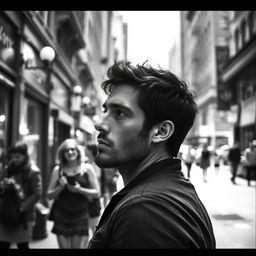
73,183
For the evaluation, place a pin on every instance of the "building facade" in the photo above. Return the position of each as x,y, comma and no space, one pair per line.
37,105
204,46
239,75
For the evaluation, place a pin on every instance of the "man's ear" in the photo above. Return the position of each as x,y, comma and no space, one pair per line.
163,131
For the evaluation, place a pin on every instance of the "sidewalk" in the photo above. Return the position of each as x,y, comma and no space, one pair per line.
50,242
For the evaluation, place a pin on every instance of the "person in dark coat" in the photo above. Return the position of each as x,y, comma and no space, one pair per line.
234,156
205,161
146,117
27,177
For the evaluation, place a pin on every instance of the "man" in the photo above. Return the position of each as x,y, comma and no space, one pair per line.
250,159
146,117
234,157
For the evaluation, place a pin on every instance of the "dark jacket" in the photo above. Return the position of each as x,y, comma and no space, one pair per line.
234,155
158,209
31,182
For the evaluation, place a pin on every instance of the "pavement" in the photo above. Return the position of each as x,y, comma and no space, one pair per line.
50,242
231,207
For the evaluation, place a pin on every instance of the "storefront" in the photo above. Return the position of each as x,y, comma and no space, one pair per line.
9,46
5,100
248,121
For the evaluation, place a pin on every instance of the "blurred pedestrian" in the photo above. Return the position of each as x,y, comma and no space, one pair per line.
234,156
72,185
146,117
250,161
95,206
205,161
188,158
27,182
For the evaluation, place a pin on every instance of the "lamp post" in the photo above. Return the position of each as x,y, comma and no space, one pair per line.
47,55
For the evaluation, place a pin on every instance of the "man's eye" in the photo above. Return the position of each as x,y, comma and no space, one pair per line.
119,113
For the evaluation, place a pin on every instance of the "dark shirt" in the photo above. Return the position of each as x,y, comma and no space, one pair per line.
159,208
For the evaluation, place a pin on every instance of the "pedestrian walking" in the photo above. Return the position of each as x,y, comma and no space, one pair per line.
234,156
250,161
205,161
188,158
72,185
147,115
18,214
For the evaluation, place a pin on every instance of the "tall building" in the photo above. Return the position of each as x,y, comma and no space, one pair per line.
205,47
175,52
239,75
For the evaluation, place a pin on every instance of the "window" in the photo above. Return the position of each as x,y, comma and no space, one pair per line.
44,15
31,128
4,124
243,32
237,39
251,24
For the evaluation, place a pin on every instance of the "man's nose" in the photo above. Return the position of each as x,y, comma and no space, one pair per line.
102,126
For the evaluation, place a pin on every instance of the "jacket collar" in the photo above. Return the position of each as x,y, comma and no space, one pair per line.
169,165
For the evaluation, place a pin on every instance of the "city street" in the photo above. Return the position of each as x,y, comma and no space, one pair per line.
231,208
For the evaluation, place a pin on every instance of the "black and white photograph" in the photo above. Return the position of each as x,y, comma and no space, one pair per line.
127,129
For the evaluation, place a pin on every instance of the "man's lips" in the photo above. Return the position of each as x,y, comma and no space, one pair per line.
103,142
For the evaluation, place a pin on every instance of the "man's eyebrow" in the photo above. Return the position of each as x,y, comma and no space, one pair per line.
117,105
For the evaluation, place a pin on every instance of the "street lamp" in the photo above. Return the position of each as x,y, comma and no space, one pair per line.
86,101
76,98
47,55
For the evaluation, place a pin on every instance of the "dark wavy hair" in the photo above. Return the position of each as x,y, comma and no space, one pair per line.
20,147
162,96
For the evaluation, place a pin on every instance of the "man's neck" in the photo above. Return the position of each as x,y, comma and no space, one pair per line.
130,171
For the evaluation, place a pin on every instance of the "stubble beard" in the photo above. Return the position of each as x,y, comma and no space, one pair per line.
132,152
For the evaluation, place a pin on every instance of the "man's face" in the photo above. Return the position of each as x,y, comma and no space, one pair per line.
121,140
